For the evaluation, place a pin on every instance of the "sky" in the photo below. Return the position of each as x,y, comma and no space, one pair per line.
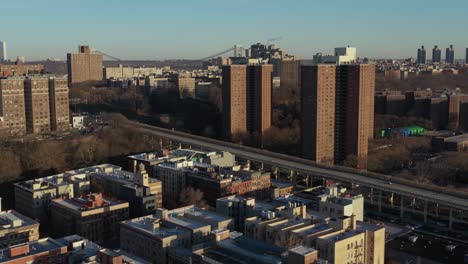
191,29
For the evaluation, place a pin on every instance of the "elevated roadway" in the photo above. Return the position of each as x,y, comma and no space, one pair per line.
440,196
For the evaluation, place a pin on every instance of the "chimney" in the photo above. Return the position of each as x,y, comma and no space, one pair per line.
18,250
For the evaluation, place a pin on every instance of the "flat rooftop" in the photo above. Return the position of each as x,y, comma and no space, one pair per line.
62,179
12,219
302,250
35,247
188,153
146,224
246,250
194,217
81,204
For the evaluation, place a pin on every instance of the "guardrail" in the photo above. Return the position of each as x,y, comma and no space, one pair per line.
343,169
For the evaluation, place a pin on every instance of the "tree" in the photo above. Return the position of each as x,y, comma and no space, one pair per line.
191,196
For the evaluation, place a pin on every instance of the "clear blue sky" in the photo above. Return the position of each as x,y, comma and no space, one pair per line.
162,29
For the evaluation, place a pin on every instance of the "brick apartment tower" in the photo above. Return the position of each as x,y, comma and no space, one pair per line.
246,99
36,97
259,89
337,110
234,94
59,106
354,124
318,108
84,66
12,108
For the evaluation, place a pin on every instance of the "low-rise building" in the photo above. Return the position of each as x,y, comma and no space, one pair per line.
143,193
181,227
16,228
362,244
335,204
149,238
196,220
92,216
280,189
46,250
33,197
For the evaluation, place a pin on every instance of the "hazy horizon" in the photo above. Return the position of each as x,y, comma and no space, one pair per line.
158,30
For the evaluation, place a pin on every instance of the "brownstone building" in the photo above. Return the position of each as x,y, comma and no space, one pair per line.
36,97
84,66
338,112
246,99
318,109
59,106
12,109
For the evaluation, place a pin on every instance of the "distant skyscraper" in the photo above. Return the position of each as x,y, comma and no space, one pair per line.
3,51
421,55
436,54
337,112
450,55
84,66
246,99
466,56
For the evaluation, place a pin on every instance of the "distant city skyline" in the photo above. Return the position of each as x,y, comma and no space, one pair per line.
149,30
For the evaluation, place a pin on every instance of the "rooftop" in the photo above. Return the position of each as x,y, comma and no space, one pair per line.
240,249
151,225
62,179
12,219
35,247
79,247
194,217
88,202
302,250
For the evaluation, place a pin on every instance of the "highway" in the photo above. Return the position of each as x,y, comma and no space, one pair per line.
452,199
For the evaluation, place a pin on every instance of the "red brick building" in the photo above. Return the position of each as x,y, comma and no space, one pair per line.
46,250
